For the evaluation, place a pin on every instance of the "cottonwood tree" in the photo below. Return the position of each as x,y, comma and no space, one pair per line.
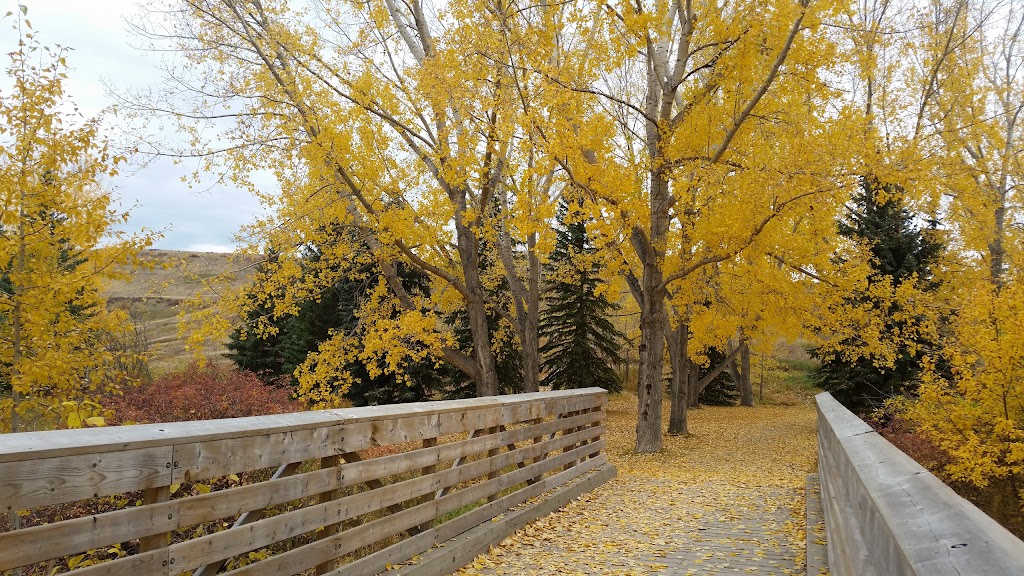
707,151
975,50
408,122
56,244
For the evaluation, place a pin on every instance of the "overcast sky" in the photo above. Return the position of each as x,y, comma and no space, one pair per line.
204,220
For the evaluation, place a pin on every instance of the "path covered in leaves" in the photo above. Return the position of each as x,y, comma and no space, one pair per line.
727,500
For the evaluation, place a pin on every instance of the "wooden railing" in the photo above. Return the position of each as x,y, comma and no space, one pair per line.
353,491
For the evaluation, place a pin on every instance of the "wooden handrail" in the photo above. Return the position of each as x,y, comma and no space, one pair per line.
376,482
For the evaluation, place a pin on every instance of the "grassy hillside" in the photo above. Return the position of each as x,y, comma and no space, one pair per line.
154,294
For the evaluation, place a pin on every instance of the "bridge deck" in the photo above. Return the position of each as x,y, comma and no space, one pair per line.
728,500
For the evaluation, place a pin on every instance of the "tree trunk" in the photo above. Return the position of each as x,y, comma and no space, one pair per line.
649,396
531,344
997,252
760,385
692,377
652,321
525,297
693,394
677,352
16,363
746,390
698,384
16,322
487,378
734,374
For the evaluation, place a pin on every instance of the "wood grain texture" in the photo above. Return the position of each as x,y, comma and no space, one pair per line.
35,483
198,552
56,443
444,533
299,559
40,469
159,540
462,549
42,543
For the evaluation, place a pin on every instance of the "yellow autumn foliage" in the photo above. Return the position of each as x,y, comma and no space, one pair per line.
971,399
57,247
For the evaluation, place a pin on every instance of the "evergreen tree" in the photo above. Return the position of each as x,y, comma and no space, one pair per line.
257,354
275,357
722,391
68,258
508,359
582,345
900,252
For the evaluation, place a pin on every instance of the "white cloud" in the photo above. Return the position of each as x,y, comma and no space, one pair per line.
210,248
97,31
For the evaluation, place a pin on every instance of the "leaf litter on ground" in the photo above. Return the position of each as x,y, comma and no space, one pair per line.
727,499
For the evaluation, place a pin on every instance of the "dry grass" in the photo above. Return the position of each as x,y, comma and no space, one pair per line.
156,291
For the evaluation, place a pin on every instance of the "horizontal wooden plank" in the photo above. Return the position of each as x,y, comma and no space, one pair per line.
34,483
207,549
201,460
49,444
161,562
484,513
408,548
42,543
155,563
299,559
480,515
462,549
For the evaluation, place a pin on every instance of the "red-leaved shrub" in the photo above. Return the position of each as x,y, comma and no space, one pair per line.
904,436
1000,499
200,393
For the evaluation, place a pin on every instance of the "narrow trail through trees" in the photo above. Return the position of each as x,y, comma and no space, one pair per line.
727,500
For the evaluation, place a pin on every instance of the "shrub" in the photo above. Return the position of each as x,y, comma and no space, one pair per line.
1000,499
200,393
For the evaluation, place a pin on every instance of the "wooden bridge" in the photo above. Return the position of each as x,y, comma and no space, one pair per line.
427,488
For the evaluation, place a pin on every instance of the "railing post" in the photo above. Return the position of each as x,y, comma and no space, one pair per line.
426,471
594,424
331,529
539,457
156,541
493,452
568,431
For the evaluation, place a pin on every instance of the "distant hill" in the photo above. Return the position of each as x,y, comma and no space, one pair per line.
153,296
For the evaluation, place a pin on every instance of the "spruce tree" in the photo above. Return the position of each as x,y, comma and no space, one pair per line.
900,252
581,345
275,357
260,355
508,359
722,391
